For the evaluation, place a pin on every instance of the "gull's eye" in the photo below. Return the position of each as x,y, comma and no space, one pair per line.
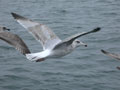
4,28
78,41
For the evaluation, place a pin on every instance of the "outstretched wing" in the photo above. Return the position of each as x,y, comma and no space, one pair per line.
116,56
15,41
70,40
41,32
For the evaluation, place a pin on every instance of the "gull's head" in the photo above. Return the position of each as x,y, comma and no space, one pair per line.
4,28
77,43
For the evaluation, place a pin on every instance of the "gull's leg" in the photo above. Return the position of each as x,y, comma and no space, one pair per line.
39,60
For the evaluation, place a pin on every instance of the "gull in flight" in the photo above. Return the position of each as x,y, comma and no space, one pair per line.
13,40
53,46
113,55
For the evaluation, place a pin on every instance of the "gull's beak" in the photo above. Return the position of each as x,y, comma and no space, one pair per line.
83,44
6,28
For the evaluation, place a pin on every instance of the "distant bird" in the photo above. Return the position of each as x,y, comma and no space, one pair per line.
113,55
53,46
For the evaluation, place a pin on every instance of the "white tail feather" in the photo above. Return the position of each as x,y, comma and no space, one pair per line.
39,55
31,57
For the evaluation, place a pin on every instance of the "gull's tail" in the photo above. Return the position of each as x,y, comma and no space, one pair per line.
31,57
40,56
34,57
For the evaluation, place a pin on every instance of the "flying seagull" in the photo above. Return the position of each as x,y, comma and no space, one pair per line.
113,55
53,46
13,40
116,56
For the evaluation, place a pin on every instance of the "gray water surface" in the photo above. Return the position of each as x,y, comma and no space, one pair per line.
85,68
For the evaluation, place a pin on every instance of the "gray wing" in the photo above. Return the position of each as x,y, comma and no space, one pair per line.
15,41
41,32
70,40
116,56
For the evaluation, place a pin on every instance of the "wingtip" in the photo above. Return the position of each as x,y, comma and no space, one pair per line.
16,16
118,67
97,29
103,51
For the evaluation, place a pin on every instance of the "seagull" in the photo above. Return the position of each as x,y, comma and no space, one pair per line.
53,46
116,56
13,40
113,55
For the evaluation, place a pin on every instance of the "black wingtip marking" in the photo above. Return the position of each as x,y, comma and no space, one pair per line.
103,51
16,16
97,29
118,67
